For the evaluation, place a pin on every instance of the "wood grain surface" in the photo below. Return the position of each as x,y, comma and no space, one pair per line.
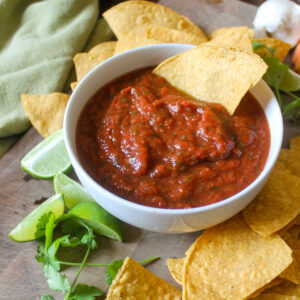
21,277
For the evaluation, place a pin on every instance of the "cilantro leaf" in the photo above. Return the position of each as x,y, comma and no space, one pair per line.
292,110
112,270
85,292
56,281
47,297
41,225
49,230
276,71
256,45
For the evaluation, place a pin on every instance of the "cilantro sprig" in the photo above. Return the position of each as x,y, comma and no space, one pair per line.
274,78
74,232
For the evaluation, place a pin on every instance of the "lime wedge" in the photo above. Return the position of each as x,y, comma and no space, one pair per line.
72,191
99,219
25,230
290,81
47,158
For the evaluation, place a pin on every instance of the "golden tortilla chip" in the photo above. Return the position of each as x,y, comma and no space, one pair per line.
175,266
292,272
169,35
281,48
74,85
213,74
233,37
45,112
133,41
273,296
85,62
277,204
230,261
291,160
132,17
295,143
272,283
135,282
286,288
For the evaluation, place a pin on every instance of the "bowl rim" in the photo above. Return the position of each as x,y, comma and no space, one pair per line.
164,211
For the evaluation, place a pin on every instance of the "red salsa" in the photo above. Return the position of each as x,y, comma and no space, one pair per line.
147,142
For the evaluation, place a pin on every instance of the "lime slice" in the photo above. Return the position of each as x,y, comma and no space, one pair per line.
72,191
47,158
99,219
25,230
290,81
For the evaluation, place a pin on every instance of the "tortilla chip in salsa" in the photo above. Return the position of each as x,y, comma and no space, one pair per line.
213,74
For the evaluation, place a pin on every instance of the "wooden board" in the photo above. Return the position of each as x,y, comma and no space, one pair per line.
21,277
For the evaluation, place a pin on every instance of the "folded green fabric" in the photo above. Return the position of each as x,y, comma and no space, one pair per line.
38,40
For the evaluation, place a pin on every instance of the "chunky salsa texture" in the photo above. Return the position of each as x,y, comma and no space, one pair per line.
147,142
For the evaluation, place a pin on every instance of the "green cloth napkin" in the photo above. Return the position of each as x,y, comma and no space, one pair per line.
38,40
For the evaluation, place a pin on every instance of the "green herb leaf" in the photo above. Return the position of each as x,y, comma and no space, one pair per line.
47,297
259,45
57,282
275,72
292,110
49,231
85,292
112,270
41,225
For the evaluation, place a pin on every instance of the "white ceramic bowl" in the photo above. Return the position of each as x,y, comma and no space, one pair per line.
158,219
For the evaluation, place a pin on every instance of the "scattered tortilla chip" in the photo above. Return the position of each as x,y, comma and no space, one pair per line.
292,272
213,74
295,143
273,296
233,37
74,85
286,288
133,16
133,41
85,62
135,282
230,261
281,48
175,266
277,204
291,160
169,35
272,283
297,221
45,112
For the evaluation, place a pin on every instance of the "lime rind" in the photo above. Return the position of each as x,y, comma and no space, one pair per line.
99,219
25,230
72,191
290,82
47,158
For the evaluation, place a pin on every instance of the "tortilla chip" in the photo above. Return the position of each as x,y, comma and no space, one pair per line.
272,283
175,266
45,112
213,74
85,62
281,48
74,85
292,272
135,282
233,37
133,41
295,221
230,261
286,288
277,204
133,16
169,35
295,143
273,296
